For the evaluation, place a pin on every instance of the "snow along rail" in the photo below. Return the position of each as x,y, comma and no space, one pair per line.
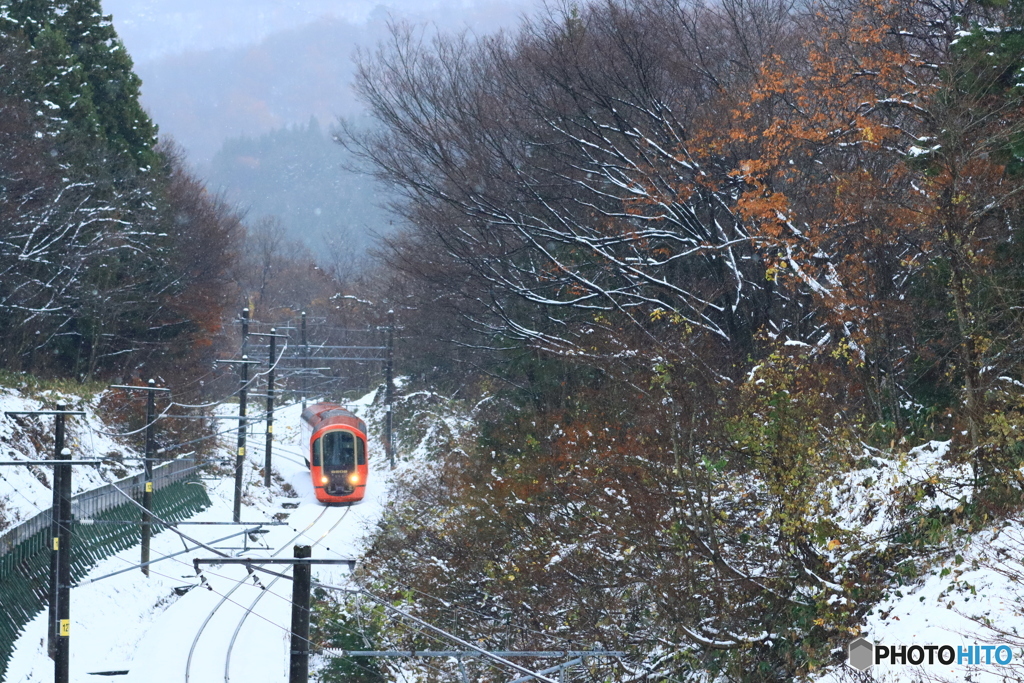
226,596
25,550
248,611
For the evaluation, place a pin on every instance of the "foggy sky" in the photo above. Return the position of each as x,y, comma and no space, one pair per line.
216,69
225,79
156,28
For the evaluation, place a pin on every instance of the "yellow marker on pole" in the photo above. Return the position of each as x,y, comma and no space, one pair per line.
56,543
65,628
149,487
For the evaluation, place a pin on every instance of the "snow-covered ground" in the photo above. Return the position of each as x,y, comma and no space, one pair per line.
976,597
22,491
140,625
971,594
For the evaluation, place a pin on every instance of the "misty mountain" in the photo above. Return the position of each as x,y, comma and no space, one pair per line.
242,112
203,97
298,174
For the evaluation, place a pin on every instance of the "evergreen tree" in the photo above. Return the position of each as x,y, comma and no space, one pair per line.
98,273
112,85
84,75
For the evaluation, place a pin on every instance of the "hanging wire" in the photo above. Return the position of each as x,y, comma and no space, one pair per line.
283,629
489,617
384,603
17,489
255,417
255,377
173,404
453,638
134,431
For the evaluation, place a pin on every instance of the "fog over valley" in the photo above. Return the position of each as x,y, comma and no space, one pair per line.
227,81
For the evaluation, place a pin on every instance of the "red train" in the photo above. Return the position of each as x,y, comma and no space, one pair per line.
337,452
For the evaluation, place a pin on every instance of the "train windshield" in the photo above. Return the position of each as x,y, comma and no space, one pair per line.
339,450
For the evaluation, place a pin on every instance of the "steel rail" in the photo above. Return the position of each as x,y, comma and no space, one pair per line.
248,611
224,598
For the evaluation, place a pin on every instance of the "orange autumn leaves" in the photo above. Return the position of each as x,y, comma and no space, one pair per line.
827,180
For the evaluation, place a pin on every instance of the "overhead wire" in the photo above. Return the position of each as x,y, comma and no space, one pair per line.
280,575
209,587
162,414
241,621
251,380
384,603
426,662
226,596
484,615
17,489
160,558
254,417
453,638
172,404
256,376
257,568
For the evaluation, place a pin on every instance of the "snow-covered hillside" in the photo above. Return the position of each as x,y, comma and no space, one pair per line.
146,627
973,597
26,491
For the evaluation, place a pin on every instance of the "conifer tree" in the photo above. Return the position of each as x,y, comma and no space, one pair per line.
84,74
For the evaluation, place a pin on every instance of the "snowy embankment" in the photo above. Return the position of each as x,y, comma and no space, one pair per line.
147,627
26,491
970,593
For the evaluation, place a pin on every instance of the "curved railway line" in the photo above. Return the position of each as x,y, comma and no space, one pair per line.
248,611
264,589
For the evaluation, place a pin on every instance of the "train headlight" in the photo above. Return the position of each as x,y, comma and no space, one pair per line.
354,478
324,479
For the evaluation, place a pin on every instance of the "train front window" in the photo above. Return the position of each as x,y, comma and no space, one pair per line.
338,450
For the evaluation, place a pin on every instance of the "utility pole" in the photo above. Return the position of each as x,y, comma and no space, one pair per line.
272,361
243,398
301,582
298,670
305,359
389,383
270,407
59,615
52,625
62,541
147,491
58,473
150,456
245,331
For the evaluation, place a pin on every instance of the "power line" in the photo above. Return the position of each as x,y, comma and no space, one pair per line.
455,639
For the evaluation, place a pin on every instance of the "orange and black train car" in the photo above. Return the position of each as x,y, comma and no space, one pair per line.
336,443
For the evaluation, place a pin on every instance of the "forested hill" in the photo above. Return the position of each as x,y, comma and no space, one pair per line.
113,261
732,296
301,177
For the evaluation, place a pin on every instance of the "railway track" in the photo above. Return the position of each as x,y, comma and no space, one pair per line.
226,597
248,611
294,455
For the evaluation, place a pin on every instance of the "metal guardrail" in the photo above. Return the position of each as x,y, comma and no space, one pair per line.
90,504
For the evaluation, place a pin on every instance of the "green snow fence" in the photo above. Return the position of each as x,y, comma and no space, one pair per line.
25,549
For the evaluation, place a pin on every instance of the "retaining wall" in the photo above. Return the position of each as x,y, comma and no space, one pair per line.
25,549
